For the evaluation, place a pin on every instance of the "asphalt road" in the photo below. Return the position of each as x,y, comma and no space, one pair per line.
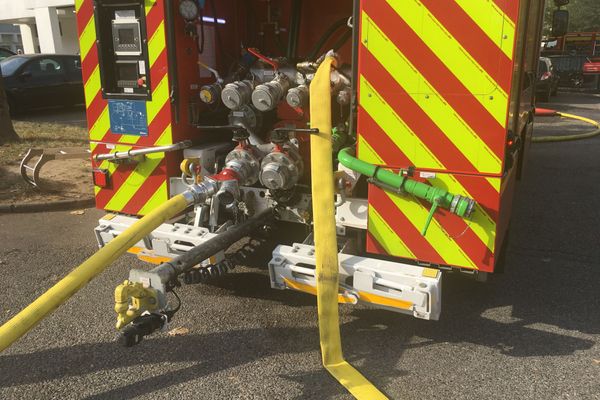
531,333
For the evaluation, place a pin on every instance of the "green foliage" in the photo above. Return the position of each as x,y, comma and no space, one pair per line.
585,16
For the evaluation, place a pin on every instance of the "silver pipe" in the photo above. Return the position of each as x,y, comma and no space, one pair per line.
124,155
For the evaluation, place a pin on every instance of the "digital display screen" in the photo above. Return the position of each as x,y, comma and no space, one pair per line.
128,72
126,36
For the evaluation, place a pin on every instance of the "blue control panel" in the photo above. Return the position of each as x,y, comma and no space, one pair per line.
128,117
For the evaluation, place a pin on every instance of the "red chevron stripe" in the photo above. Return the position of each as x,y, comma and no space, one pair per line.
509,7
474,40
95,109
159,68
117,179
373,246
414,116
153,19
145,192
434,70
410,235
478,187
89,63
84,14
459,230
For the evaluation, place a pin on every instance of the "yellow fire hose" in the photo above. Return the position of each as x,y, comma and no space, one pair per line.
326,240
565,138
24,321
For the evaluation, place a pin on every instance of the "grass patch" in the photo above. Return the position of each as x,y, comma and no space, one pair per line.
44,135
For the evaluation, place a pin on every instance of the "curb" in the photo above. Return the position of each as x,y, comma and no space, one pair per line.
63,205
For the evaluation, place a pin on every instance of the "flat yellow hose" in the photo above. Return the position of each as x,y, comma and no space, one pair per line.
565,138
326,240
31,315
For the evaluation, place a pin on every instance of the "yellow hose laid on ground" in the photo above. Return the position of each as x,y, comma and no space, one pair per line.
326,240
565,138
20,324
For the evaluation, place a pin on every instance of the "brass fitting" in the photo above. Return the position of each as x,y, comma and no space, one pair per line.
132,300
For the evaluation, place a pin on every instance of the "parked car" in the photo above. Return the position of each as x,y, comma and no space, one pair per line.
547,80
5,53
42,80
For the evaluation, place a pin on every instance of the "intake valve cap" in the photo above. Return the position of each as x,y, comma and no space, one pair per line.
209,94
281,171
266,97
237,94
298,97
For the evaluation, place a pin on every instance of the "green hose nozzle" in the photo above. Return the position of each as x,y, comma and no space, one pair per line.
389,181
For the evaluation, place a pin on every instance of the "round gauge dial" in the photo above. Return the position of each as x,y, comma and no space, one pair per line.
189,9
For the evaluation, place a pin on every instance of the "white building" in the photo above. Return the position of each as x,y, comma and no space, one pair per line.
46,26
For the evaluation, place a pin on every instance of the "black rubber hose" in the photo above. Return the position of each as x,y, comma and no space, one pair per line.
326,36
179,265
342,41
294,37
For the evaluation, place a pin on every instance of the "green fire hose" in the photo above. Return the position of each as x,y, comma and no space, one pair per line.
390,181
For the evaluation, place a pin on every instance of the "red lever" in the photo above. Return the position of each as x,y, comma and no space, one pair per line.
255,52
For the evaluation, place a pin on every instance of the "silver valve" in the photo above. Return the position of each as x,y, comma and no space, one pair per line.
266,97
298,97
237,94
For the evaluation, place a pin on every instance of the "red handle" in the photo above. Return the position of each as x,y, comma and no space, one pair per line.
255,52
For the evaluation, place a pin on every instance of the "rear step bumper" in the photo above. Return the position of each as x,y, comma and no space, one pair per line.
398,287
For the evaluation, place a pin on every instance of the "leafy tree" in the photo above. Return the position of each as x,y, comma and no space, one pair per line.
584,16
7,131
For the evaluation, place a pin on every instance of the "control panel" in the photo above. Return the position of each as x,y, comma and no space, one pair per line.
123,51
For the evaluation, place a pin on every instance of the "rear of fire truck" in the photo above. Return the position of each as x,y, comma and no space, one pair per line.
211,106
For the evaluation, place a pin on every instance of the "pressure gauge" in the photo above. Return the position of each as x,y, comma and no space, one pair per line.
189,9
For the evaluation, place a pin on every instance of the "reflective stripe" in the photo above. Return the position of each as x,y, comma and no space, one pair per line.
481,224
78,4
448,249
492,20
386,236
87,38
134,182
437,109
92,86
157,199
454,56
165,137
160,97
389,121
156,44
101,126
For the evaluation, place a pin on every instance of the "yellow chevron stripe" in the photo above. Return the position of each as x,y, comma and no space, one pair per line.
87,38
433,104
492,20
101,126
389,121
447,248
166,137
137,178
111,167
386,236
156,44
160,96
148,5
454,56
406,140
367,153
480,222
159,197
78,4
92,86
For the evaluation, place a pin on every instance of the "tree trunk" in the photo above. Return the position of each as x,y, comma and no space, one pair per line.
7,131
